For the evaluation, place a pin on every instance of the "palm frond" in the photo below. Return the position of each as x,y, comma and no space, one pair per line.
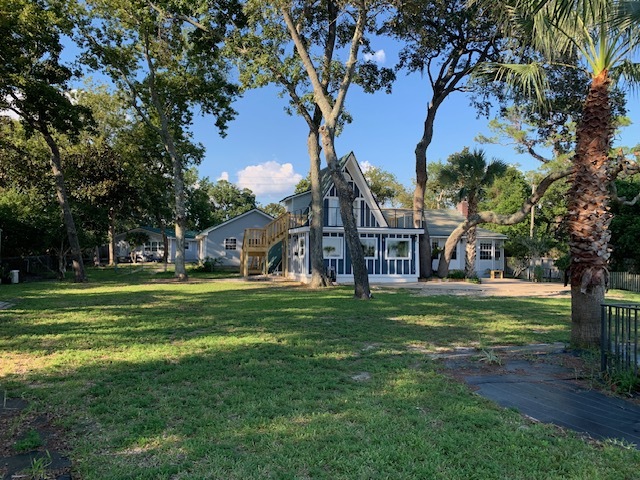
628,72
530,78
627,15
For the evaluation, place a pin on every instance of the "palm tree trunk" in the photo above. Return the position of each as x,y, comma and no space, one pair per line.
589,216
470,256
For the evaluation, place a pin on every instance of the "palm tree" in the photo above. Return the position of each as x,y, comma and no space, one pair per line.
468,173
603,36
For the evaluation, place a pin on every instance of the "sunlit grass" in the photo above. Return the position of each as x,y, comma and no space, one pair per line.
228,379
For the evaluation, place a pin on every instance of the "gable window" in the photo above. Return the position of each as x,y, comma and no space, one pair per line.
486,251
369,247
332,247
398,249
230,243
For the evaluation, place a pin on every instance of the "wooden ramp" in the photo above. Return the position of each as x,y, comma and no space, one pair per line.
254,258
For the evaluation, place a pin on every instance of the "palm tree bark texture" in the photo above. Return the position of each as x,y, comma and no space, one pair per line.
589,216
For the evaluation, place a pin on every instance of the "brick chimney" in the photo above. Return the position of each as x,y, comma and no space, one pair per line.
463,208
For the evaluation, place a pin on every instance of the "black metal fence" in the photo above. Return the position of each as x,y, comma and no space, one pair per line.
619,338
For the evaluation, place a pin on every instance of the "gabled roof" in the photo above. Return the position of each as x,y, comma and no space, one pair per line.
442,222
326,182
231,220
171,233
325,178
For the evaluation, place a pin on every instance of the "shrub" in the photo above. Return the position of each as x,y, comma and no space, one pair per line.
456,274
209,265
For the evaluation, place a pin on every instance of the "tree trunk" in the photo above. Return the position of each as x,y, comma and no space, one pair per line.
346,198
585,306
470,254
61,194
589,216
318,273
449,246
111,235
426,269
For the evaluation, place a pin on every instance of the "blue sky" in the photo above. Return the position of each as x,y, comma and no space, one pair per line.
265,149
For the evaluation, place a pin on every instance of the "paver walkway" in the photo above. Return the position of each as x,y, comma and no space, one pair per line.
549,393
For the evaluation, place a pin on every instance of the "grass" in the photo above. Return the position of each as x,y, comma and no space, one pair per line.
243,380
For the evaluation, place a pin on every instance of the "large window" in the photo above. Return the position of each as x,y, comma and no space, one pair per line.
332,247
486,251
398,249
369,247
230,243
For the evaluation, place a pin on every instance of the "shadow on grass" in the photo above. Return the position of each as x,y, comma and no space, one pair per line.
234,380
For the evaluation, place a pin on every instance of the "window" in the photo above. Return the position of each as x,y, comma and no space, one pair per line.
301,244
369,247
334,218
398,249
230,243
454,255
435,250
486,251
332,247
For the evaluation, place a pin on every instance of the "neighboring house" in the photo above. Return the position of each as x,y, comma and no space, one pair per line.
153,249
388,236
489,245
224,241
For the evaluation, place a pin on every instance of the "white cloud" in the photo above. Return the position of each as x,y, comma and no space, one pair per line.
378,57
223,176
365,166
269,178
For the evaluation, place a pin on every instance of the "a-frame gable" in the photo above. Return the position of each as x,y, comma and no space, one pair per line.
350,166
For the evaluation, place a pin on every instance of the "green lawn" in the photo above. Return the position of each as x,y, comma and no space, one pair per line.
235,380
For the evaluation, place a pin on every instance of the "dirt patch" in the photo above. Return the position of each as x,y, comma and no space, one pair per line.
31,444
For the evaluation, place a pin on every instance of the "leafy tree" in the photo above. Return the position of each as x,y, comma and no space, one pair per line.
265,56
448,40
335,21
273,209
167,63
304,185
625,226
229,201
386,188
504,196
34,86
469,174
603,36
30,222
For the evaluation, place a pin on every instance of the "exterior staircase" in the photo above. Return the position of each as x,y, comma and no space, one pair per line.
254,257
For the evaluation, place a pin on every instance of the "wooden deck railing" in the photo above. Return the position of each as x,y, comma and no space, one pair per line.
258,241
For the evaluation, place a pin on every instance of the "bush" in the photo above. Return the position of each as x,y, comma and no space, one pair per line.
209,265
456,275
